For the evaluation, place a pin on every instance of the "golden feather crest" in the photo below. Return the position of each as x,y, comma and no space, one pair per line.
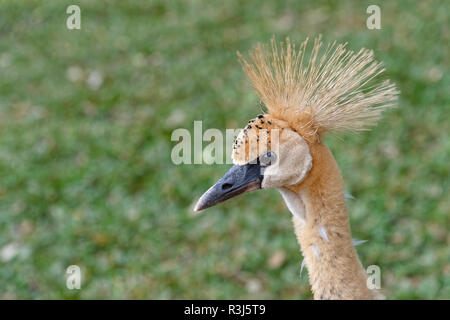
318,90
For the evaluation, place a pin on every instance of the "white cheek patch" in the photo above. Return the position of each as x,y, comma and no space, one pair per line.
293,163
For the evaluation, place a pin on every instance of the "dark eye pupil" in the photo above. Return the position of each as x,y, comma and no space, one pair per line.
267,158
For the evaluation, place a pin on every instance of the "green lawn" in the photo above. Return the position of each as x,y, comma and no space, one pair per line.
85,171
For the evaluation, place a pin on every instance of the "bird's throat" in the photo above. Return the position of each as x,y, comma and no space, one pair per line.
323,232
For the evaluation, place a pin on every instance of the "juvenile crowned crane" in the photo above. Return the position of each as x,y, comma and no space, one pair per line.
308,93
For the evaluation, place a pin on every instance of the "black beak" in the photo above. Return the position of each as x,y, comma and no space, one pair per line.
239,179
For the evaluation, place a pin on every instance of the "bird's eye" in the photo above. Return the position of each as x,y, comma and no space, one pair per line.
268,158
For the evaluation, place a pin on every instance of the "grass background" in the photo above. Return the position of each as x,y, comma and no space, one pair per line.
85,171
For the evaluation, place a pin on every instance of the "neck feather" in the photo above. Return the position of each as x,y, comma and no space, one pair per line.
323,231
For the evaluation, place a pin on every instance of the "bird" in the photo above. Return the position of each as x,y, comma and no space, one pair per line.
308,91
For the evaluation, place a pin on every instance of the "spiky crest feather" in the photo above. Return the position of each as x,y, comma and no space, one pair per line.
318,92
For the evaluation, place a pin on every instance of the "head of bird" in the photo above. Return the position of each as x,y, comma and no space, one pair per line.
267,154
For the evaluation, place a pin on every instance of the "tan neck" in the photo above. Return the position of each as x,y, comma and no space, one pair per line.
323,231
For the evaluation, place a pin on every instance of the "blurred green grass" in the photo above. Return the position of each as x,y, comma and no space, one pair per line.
86,177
